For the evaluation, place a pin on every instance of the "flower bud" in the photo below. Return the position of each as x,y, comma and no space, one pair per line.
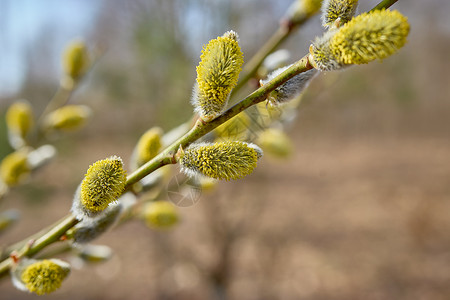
15,167
39,276
19,119
227,160
338,11
217,74
291,88
160,214
69,117
75,59
369,36
95,253
90,229
321,55
148,146
103,183
302,9
275,142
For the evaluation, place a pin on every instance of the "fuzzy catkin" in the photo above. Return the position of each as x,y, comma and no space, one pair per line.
332,10
217,74
370,36
90,229
69,117
103,183
40,276
226,160
19,118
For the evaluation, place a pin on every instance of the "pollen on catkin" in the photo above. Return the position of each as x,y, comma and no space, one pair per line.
340,11
369,36
148,146
69,117
103,183
291,88
160,214
75,60
19,118
217,74
40,276
14,168
226,160
321,55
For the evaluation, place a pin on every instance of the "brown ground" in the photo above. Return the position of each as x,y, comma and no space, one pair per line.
362,216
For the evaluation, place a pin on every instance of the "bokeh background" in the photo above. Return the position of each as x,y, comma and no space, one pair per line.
361,210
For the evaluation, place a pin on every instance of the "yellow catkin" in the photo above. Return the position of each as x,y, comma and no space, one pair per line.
69,117
217,74
160,214
19,118
14,168
300,10
369,36
322,57
104,182
148,145
44,277
226,160
275,143
311,7
332,10
75,60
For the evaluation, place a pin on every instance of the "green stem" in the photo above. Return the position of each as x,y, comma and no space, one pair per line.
251,67
53,235
201,128
384,4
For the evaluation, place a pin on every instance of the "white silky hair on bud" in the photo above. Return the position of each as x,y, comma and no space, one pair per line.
291,88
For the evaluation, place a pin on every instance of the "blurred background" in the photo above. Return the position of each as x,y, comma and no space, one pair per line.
360,210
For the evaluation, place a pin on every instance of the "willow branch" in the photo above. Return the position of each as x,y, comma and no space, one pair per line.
30,247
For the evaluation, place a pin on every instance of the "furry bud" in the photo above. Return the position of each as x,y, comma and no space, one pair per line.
291,88
148,146
227,160
369,36
103,183
338,11
160,214
39,276
75,60
275,142
302,9
90,229
217,74
15,167
69,117
19,119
